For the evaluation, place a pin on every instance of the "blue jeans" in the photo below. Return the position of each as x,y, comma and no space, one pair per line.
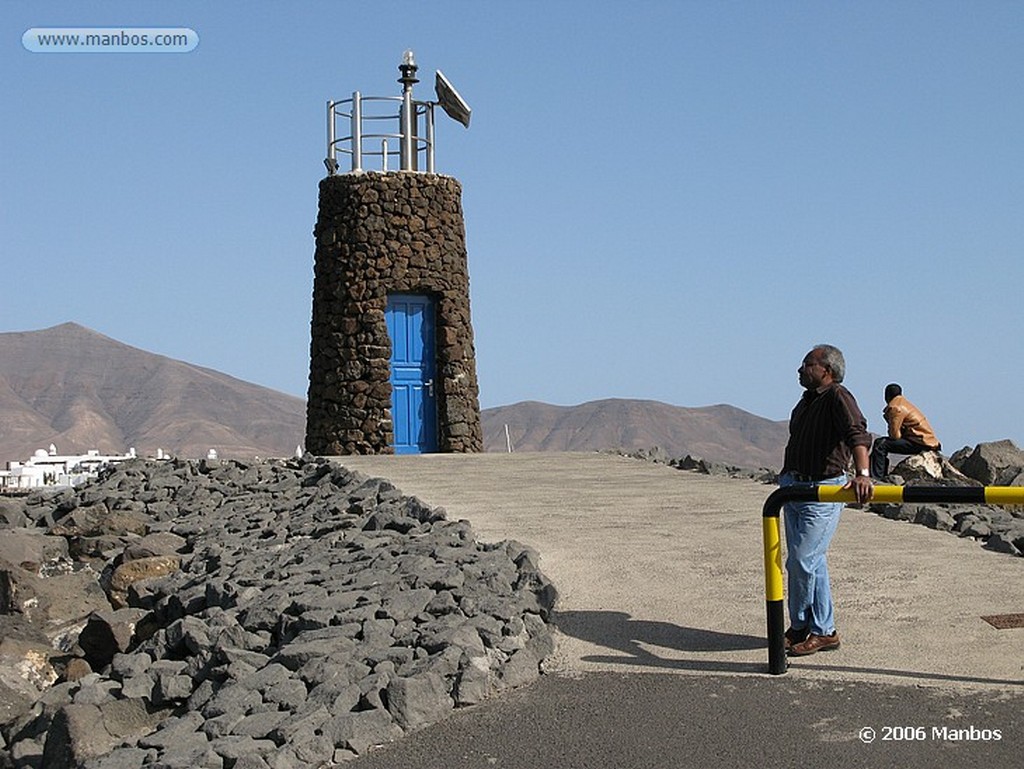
809,530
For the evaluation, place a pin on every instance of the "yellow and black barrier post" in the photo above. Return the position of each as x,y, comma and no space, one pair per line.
773,590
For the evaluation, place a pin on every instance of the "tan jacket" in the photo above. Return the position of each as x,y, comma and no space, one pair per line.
905,420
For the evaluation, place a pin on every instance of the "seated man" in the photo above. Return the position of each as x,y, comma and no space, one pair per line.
909,432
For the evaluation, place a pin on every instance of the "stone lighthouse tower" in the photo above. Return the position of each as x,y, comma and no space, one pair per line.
392,362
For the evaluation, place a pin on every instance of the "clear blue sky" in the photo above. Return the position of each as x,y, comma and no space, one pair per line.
665,200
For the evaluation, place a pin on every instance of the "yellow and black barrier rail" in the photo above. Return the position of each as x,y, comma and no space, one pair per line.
773,593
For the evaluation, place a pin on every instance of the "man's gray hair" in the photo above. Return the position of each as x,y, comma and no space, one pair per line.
832,359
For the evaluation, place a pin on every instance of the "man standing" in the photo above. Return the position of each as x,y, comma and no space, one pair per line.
826,429
909,432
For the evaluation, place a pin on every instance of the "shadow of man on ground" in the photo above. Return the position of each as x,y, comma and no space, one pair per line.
617,630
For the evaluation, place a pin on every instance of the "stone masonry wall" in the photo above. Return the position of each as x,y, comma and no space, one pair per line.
378,234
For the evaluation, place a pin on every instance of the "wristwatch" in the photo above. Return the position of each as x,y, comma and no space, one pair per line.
864,473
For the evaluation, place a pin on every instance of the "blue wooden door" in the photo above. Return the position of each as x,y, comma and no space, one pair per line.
410,319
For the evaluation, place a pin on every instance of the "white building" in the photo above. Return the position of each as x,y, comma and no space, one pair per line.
48,468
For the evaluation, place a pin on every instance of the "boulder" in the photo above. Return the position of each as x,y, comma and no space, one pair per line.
53,601
76,734
99,520
26,668
107,633
935,517
700,465
1005,542
419,701
30,548
930,468
138,570
12,514
154,544
998,463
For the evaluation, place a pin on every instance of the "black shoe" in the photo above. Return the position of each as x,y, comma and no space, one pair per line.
795,636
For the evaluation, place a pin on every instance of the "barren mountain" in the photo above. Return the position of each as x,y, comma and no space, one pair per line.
719,433
80,390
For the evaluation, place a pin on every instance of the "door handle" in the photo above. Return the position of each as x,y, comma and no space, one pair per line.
429,384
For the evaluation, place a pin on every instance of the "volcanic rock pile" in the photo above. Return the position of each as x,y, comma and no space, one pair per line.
998,463
248,616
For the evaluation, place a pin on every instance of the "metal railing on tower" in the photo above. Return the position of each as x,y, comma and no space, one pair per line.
412,140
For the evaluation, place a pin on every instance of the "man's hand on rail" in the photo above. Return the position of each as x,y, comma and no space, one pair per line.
862,487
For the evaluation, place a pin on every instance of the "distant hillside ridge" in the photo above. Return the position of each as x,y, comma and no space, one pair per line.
80,390
719,433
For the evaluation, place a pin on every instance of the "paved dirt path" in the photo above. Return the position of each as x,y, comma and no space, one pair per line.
662,571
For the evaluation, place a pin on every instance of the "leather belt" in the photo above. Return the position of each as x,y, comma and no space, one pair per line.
805,478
